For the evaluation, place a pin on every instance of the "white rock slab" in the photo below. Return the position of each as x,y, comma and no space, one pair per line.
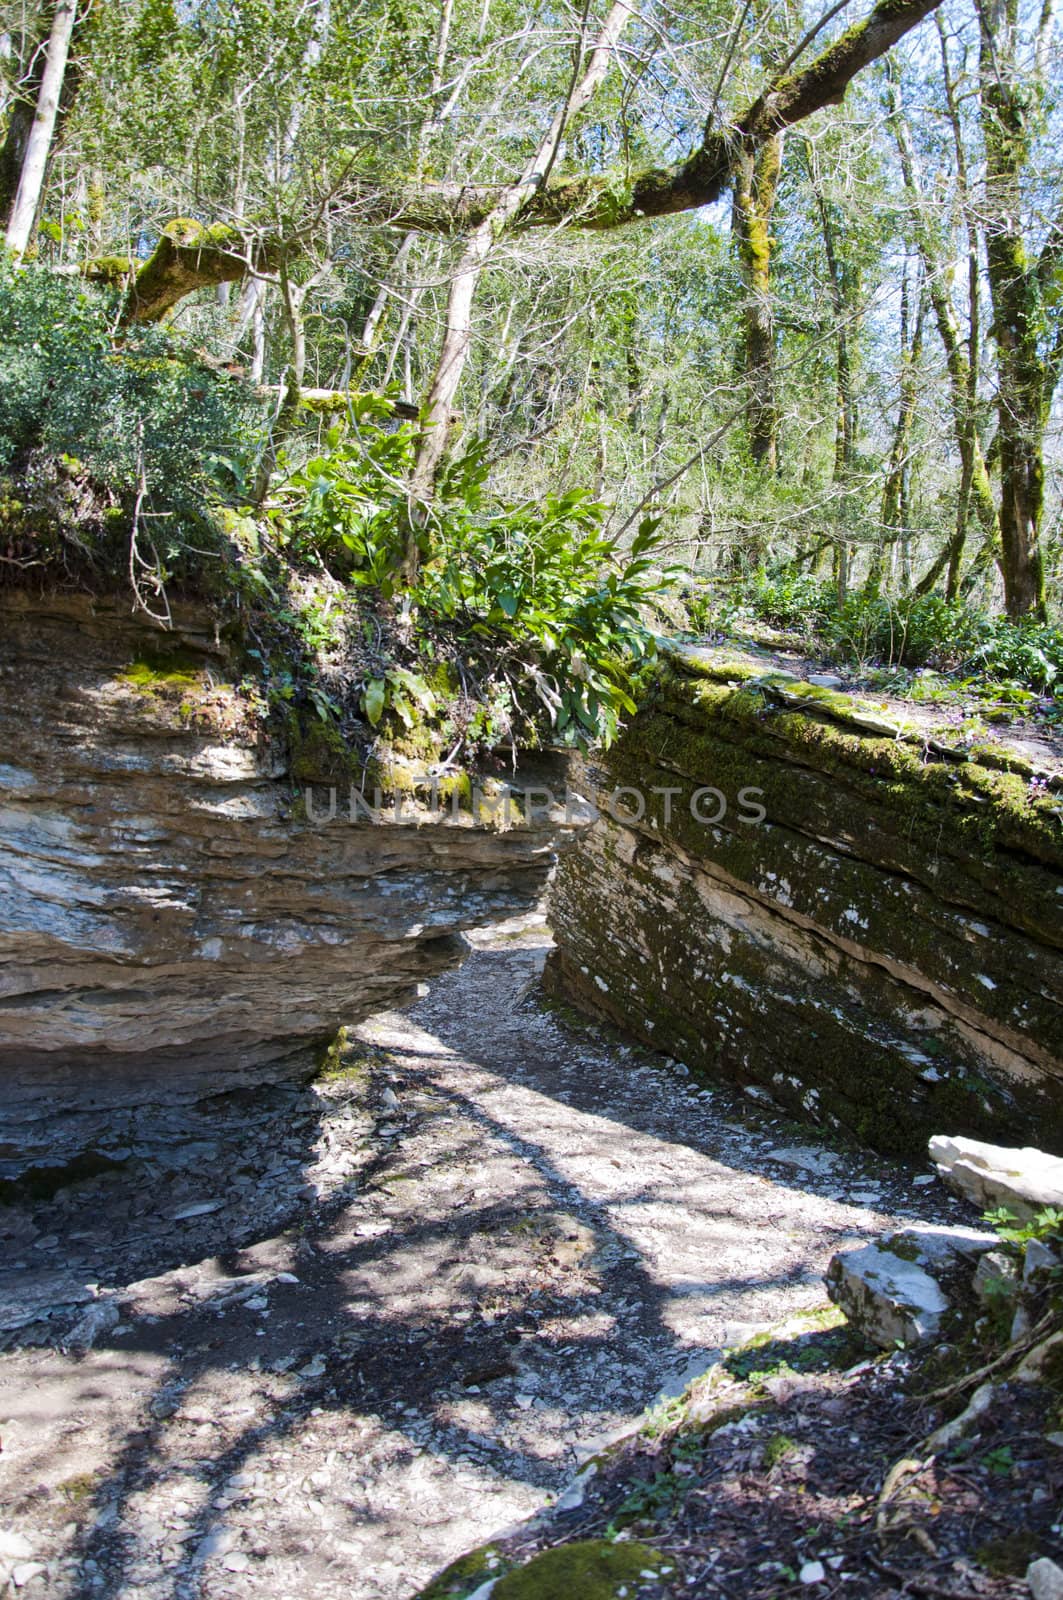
896,1289
991,1176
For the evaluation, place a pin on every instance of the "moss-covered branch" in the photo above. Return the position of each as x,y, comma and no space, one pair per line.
191,256
600,202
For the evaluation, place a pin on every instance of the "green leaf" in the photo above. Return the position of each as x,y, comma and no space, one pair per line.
373,700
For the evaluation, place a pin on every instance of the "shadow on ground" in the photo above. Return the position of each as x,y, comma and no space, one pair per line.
527,1235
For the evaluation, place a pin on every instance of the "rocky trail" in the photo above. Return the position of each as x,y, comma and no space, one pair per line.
346,1332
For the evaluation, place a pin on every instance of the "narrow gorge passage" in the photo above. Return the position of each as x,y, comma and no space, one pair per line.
538,1230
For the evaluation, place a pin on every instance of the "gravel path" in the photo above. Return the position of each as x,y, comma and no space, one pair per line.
500,1237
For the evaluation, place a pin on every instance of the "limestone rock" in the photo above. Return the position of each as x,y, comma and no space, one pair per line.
98,1320
14,1546
1045,1579
899,1288
1035,1363
788,893
812,1572
996,1274
991,1176
1038,1264
173,924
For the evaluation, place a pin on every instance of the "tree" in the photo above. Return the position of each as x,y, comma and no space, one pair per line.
597,201
588,72
1018,281
42,130
756,184
481,203
961,363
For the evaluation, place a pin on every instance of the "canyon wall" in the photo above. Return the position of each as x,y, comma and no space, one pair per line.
850,918
172,924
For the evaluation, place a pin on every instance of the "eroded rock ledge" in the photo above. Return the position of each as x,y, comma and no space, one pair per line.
882,953
171,925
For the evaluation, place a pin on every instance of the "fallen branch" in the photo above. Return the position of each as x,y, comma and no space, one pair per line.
1020,1348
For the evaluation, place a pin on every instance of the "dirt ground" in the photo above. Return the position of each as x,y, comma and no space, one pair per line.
324,1342
793,1467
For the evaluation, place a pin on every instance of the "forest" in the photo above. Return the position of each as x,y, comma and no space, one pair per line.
531,799
551,328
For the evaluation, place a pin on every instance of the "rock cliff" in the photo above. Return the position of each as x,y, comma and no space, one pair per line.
842,914
172,925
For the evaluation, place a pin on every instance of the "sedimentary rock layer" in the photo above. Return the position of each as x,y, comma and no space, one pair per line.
171,924
882,952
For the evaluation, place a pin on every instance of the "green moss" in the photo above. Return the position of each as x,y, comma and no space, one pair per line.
707,732
464,1575
188,231
421,743
332,1063
159,671
109,269
778,1447
79,1487
1010,1555
394,774
318,752
704,664
592,1569
821,1319
459,784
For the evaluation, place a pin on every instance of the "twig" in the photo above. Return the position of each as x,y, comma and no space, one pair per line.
139,567
922,1585
1013,1350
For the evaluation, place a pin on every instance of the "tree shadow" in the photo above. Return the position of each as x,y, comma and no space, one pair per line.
358,1328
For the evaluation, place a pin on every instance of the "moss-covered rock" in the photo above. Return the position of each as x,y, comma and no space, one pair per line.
465,1575
592,1569
162,672
821,908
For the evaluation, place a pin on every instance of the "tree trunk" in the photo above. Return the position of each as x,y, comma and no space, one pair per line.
39,142
976,491
895,508
974,319
20,111
845,401
478,246
756,185
1020,369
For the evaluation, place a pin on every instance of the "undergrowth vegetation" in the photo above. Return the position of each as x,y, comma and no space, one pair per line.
113,450
914,631
542,599
126,457
129,457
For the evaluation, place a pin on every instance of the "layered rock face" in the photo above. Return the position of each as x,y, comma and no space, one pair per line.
172,925
872,939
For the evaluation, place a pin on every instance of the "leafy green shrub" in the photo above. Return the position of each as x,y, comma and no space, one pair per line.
1029,654
786,600
912,631
1046,1226
921,630
345,509
540,588
560,591
906,631
136,414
